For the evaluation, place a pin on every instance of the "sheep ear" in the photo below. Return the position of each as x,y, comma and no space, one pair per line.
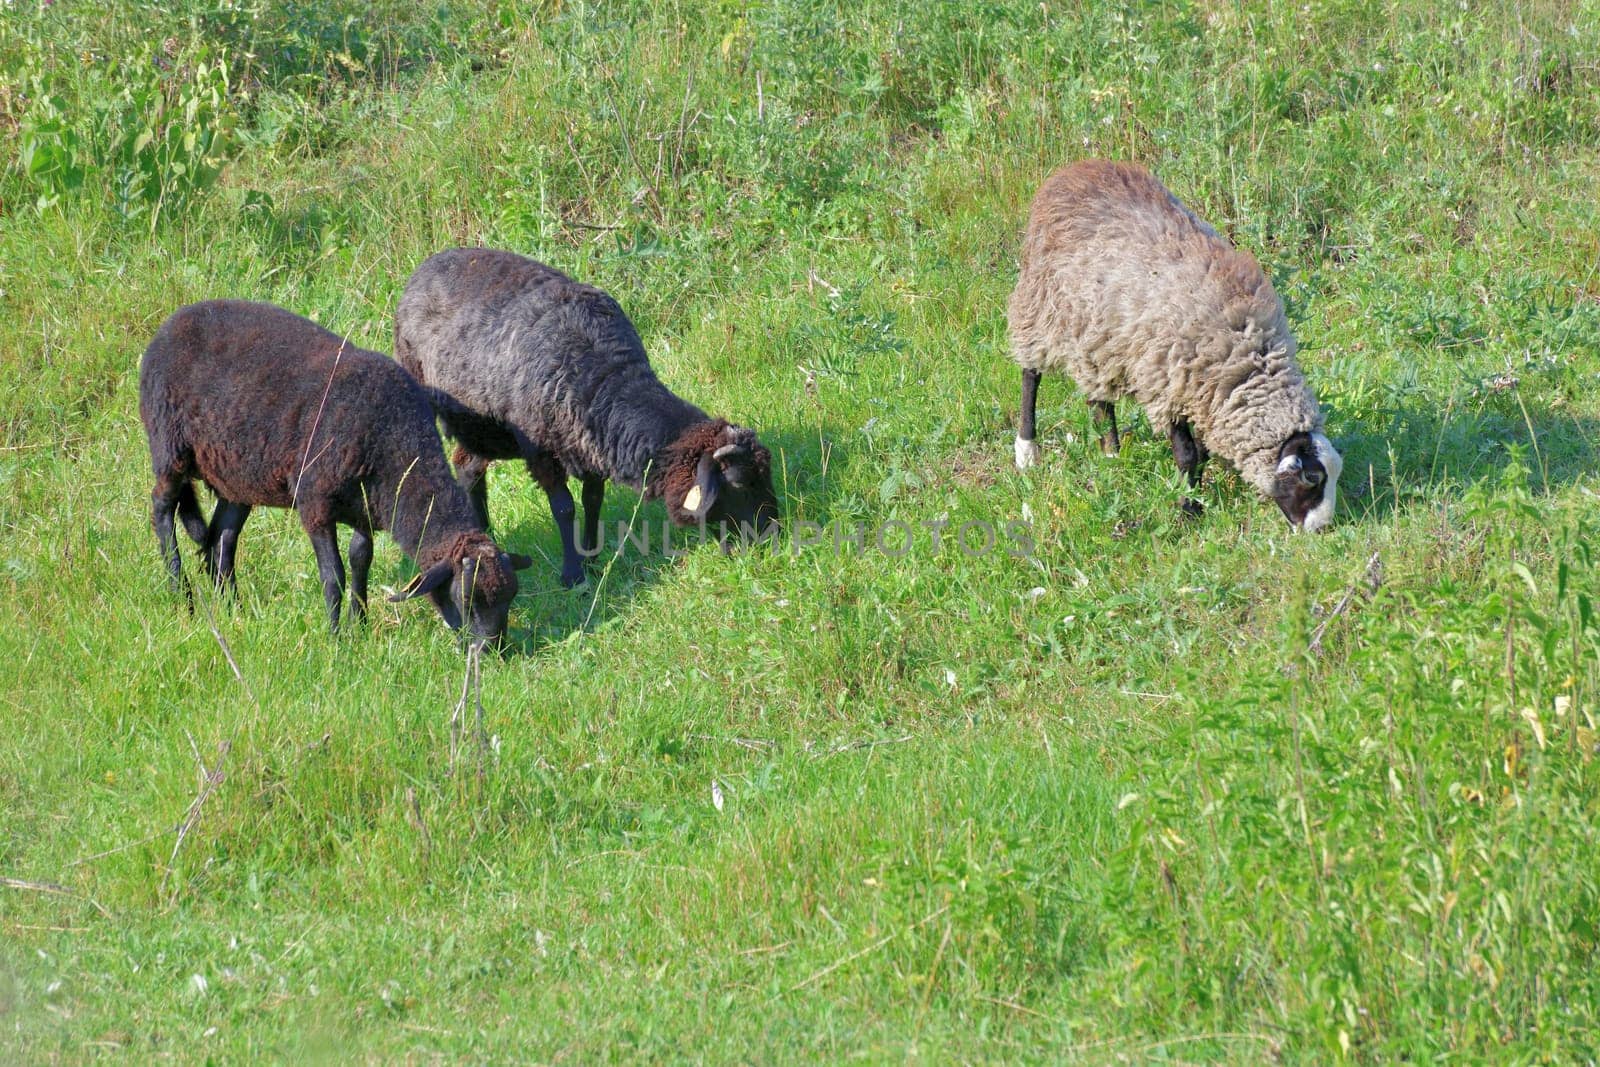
426,582
519,562
707,480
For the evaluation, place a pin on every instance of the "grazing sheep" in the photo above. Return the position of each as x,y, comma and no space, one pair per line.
532,365
269,409
1127,291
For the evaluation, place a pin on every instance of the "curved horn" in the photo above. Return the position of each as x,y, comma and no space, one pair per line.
1290,463
725,451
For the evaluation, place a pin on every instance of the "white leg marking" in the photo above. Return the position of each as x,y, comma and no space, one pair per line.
1027,453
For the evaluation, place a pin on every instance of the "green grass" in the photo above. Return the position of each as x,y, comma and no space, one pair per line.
1204,791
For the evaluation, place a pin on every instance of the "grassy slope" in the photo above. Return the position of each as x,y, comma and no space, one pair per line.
1140,820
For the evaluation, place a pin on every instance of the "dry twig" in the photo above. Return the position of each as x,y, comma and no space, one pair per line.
1374,578
851,746
471,683
51,888
755,744
414,817
835,965
210,778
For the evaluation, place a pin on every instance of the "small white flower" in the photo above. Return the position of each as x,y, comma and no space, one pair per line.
716,794
198,983
950,677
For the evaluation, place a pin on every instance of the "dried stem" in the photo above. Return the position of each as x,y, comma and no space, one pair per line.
1374,577
51,888
471,685
210,778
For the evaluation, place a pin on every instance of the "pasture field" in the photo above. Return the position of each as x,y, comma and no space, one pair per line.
1155,790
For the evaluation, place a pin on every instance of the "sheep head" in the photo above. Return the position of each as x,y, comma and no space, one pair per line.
723,475
474,581
1307,480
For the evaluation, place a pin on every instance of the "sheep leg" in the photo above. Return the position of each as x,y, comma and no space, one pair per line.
546,470
1104,414
1025,447
594,491
360,565
325,543
472,474
163,503
222,539
1191,457
194,523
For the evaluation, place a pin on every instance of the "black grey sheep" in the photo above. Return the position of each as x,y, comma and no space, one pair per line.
532,365
269,409
1127,291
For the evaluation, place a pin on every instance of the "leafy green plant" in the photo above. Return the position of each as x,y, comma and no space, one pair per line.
159,139
52,154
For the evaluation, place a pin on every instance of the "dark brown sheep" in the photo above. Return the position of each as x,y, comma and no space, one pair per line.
529,364
270,409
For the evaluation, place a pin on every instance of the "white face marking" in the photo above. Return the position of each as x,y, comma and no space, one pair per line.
1027,453
1333,463
691,499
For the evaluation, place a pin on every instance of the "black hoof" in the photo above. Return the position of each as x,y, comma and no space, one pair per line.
569,579
1191,508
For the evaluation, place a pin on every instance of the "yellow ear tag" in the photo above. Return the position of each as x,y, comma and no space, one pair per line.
691,500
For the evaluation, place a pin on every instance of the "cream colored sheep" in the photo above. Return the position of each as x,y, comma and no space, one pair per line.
1128,292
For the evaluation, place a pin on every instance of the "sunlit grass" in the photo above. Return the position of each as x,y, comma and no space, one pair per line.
1155,790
